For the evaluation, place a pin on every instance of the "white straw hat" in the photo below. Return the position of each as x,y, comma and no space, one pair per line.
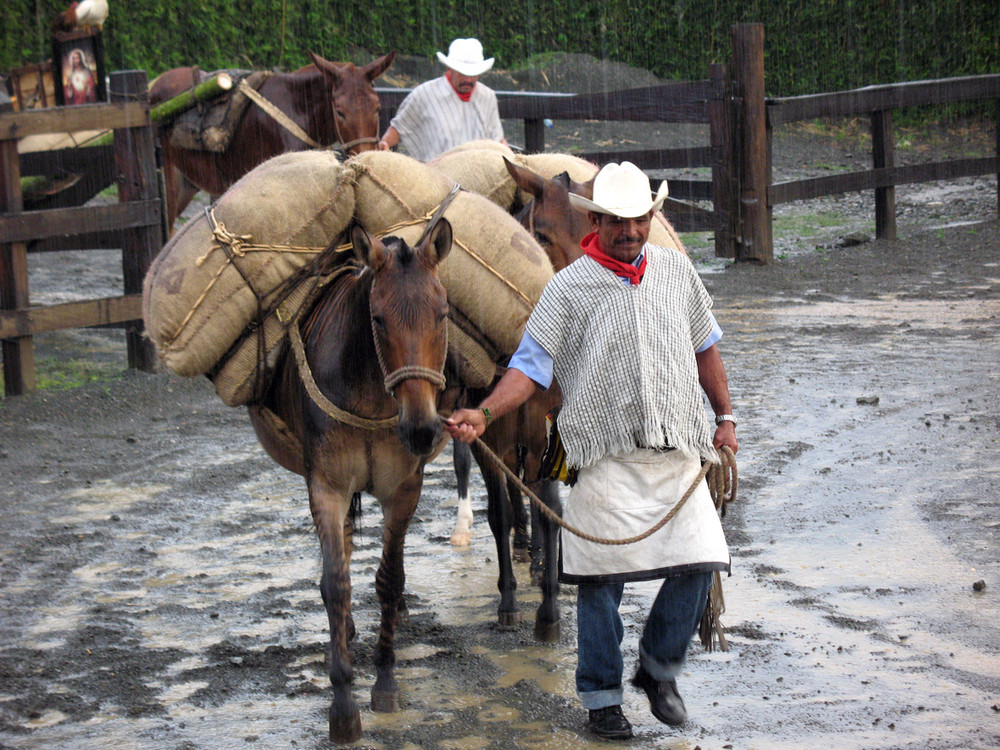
466,56
621,190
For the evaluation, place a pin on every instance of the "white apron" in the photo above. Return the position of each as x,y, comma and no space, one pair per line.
622,496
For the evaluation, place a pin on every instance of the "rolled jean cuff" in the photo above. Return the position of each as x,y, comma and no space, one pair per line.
657,670
601,699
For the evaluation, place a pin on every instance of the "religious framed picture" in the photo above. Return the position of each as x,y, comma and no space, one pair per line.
78,67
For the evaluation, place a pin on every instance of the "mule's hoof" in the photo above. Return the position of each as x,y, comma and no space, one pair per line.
461,539
345,727
385,701
547,632
509,620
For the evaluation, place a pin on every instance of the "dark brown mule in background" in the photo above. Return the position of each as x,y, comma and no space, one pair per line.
519,437
375,343
333,102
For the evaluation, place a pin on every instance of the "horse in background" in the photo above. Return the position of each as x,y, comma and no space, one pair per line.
374,346
333,102
519,437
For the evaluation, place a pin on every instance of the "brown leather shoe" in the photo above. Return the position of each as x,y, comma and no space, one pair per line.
664,700
609,723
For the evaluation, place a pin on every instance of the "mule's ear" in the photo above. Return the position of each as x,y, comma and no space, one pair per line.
436,246
377,67
327,68
525,178
367,249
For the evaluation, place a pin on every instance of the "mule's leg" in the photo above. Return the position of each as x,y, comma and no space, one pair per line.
547,617
329,512
500,518
537,548
461,458
389,582
522,551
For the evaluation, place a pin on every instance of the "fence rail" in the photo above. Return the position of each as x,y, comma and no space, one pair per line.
135,223
878,103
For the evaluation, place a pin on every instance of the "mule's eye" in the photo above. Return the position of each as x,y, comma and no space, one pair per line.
340,114
542,239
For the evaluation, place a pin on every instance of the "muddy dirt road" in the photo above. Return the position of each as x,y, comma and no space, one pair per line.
158,572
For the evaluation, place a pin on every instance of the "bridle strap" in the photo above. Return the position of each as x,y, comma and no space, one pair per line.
356,142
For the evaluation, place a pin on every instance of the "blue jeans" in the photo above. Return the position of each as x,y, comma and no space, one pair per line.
671,623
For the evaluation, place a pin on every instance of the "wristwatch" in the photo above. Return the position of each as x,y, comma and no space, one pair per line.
720,418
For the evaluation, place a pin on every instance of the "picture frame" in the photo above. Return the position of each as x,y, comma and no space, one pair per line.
78,67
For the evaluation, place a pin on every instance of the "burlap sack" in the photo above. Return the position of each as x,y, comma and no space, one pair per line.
196,303
495,271
478,167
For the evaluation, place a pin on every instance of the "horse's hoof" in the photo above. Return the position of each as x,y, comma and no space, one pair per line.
509,620
547,632
385,701
461,539
346,727
521,555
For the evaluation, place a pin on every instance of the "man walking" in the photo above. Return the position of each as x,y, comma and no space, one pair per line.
628,333
450,110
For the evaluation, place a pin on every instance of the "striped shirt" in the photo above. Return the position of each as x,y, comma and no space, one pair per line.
432,119
625,356
532,360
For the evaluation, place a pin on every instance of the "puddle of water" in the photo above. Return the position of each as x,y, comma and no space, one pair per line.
48,719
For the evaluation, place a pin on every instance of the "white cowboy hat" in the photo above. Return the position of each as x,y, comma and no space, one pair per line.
466,56
621,190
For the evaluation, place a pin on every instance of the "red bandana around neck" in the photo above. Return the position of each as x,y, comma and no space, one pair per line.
463,97
591,245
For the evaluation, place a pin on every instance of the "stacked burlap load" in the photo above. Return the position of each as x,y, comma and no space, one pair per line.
226,280
202,289
494,273
478,167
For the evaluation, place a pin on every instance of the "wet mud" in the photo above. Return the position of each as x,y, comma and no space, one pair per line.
159,573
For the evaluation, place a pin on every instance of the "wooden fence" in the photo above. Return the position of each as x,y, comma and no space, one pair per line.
741,120
731,102
135,225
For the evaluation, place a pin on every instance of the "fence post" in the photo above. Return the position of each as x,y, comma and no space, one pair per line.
18,353
755,242
883,158
135,167
534,135
725,178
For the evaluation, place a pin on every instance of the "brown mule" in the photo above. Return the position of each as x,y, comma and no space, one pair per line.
375,343
333,102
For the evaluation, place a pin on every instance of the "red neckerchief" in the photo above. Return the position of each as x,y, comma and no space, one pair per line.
463,97
591,245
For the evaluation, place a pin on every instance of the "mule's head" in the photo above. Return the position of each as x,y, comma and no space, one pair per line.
353,100
556,225
409,311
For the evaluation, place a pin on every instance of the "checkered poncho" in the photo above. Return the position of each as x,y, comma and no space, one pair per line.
624,356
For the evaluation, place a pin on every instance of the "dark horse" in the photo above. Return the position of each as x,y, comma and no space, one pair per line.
519,437
363,417
333,102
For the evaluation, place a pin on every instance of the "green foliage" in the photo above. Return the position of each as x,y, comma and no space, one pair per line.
819,45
